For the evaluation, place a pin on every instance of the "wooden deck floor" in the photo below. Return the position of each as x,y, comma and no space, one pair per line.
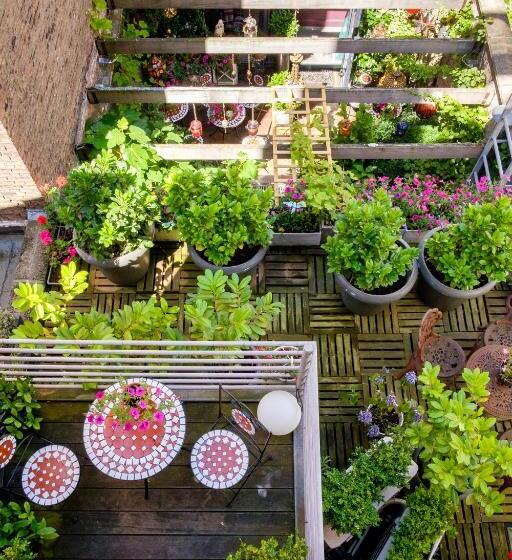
350,349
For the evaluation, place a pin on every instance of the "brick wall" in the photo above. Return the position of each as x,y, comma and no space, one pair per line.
46,49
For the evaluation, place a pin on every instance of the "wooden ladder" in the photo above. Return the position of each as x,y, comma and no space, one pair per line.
284,168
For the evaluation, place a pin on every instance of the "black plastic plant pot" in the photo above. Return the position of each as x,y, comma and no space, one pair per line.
241,268
84,152
437,294
363,303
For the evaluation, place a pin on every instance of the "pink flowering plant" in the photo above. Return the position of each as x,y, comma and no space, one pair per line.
292,214
428,202
133,406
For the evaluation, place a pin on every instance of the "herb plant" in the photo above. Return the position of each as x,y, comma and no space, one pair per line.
294,548
218,210
19,521
430,514
349,497
459,445
364,247
109,211
222,309
476,250
18,549
18,406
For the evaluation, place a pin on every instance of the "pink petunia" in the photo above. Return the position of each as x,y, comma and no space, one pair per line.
143,404
99,420
140,391
100,394
90,418
134,413
144,425
127,426
159,416
132,391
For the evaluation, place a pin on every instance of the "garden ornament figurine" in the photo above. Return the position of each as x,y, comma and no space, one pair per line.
219,29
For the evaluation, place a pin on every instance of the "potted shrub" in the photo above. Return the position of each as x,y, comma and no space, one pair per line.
373,266
293,221
221,215
112,216
352,498
283,23
465,260
294,548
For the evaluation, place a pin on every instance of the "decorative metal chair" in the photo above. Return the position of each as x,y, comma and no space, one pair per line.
435,348
500,331
221,458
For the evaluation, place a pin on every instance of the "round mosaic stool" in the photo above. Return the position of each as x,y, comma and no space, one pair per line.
7,449
219,459
50,475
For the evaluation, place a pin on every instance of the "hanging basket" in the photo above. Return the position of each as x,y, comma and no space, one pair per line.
230,115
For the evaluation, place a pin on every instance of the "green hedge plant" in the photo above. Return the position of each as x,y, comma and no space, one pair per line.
459,444
294,548
364,246
218,209
476,250
284,23
348,497
430,514
108,209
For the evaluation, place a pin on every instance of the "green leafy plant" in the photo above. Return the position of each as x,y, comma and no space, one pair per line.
476,250
284,23
99,23
292,215
294,548
218,210
349,497
222,309
19,521
8,322
463,24
18,406
18,549
364,247
109,211
460,447
468,77
430,513
279,78
460,123
127,68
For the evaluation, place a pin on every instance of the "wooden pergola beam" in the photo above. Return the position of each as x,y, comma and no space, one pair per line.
221,94
220,152
291,4
281,45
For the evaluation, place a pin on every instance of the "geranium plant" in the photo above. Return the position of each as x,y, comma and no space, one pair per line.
365,245
133,406
108,209
476,250
218,209
459,445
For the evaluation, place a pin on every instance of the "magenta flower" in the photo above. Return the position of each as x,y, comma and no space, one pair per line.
134,413
127,426
132,391
67,260
90,418
144,425
159,416
115,424
100,394
46,237
143,404
158,392
72,252
99,420
140,391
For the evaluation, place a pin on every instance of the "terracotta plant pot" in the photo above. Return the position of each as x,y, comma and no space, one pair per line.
437,294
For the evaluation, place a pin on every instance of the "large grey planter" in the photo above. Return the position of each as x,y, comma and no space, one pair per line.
436,294
414,236
362,303
238,269
296,239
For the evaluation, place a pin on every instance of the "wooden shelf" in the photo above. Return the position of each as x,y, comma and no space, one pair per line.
246,94
220,152
291,4
281,45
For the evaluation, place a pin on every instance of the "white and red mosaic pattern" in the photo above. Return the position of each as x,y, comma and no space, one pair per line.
219,459
136,454
50,475
7,449
243,421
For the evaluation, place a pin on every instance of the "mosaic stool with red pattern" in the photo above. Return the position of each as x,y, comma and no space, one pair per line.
7,450
50,475
219,459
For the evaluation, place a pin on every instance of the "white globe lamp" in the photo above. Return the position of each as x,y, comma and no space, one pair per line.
279,412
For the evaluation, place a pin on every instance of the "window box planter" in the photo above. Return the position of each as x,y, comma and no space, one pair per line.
241,268
327,229
312,239
363,303
437,294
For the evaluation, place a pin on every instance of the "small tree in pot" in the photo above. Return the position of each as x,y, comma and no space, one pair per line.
372,265
222,216
111,214
466,259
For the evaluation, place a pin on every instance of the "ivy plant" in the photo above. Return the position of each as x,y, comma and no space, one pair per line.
459,445
218,209
222,309
430,513
294,548
349,496
18,406
108,209
364,246
19,521
476,250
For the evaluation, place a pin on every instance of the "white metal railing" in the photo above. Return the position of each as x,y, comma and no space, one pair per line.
494,162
